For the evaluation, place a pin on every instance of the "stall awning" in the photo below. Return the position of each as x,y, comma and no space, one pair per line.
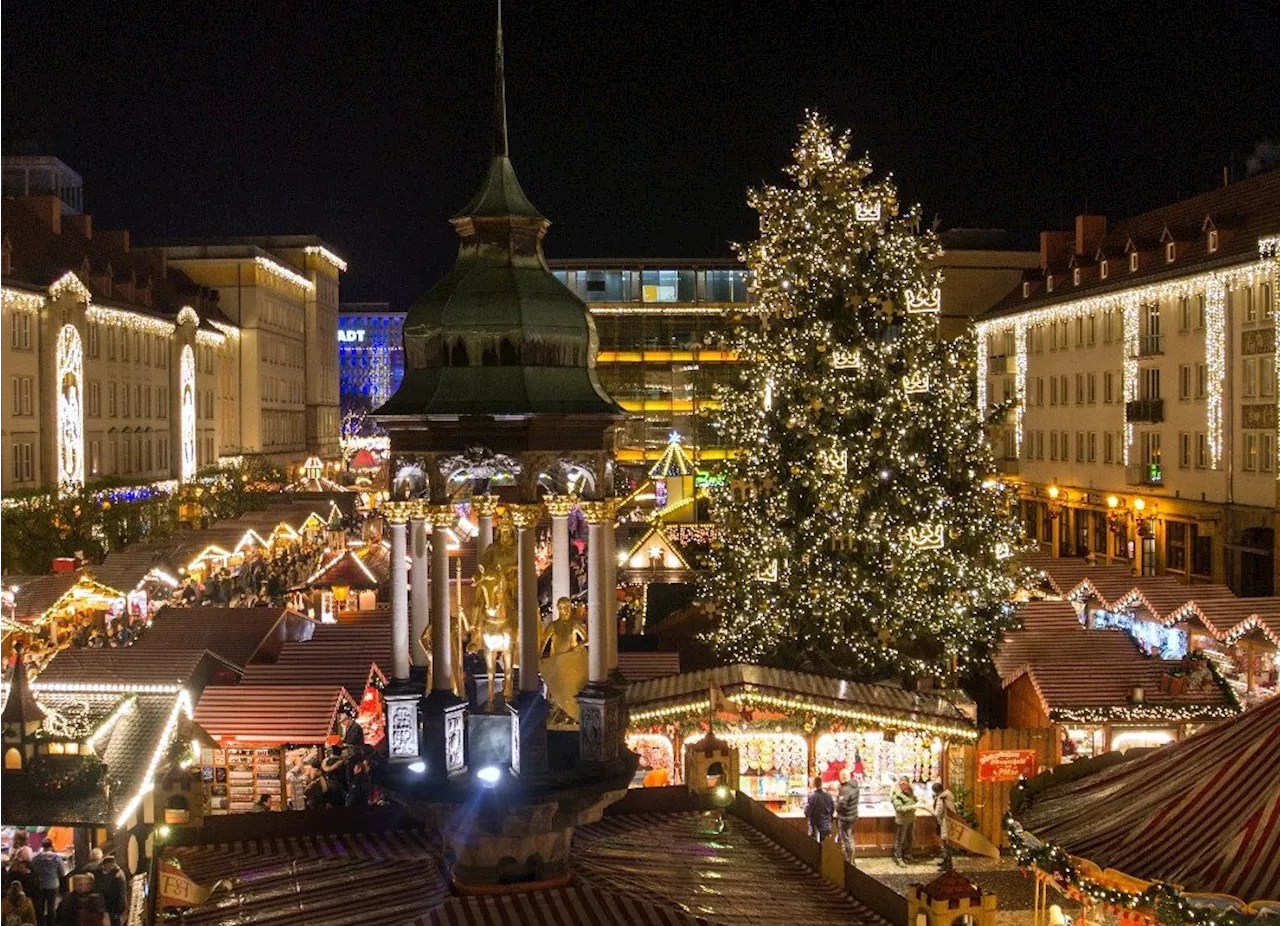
127,668
271,714
1203,813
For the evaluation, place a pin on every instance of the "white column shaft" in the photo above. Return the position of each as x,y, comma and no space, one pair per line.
441,632
530,625
419,598
560,584
485,537
611,592
597,652
399,603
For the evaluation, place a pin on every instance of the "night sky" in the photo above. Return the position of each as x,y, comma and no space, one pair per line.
635,126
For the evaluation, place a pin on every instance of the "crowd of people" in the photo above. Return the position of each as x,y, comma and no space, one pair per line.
823,812
40,891
260,581
337,776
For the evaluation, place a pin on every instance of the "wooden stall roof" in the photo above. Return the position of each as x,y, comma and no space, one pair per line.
1065,574
236,635
369,567
126,569
1220,787
127,666
640,667
271,714
892,702
37,594
345,654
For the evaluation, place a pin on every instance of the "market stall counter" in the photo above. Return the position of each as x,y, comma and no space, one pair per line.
791,727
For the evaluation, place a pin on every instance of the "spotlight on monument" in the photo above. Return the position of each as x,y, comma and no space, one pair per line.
417,767
489,775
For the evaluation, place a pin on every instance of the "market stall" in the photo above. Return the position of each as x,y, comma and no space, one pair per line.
791,727
261,732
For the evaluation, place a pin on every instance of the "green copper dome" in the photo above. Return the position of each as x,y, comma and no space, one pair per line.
499,335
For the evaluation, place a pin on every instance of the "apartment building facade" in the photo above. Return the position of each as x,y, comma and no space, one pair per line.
1137,369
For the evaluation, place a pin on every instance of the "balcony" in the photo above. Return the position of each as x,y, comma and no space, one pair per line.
1144,411
1144,474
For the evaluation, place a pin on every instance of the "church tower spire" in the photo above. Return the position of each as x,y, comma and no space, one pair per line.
499,96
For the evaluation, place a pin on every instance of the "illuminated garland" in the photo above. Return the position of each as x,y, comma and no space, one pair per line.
326,254
133,321
1165,901
284,273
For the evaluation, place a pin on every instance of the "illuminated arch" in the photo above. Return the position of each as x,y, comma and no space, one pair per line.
70,376
187,412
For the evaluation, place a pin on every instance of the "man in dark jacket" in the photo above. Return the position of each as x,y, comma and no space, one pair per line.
819,810
847,814
111,884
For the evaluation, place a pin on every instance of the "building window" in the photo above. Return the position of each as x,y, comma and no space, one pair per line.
1108,387
124,345
1213,240
1250,452
1053,445
1093,388
1175,546
95,457
1092,329
1184,313
1184,381
1202,450
1079,388
727,285
1267,375
1079,331
1267,452
1108,326
1109,447
91,337
1040,390
95,398
1039,445
1202,380
1048,283
1103,267
1250,377
1079,446
1026,290
1268,304
667,285
1200,306
1093,446
1250,306
1150,384
1053,390
1152,337
1075,277
1184,450
1151,448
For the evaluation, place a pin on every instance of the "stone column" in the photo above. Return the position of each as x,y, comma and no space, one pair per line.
485,507
419,602
442,518
525,518
559,507
596,514
610,536
399,595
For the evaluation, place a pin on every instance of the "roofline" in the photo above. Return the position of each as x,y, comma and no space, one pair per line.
643,263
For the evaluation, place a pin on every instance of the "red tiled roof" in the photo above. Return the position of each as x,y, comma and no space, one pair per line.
637,667
126,666
234,634
271,714
337,654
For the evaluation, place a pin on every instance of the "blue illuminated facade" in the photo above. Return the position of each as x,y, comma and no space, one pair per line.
370,354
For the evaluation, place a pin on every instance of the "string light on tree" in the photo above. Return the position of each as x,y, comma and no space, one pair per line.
815,567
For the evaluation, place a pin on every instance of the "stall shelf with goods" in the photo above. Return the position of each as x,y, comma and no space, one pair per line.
791,727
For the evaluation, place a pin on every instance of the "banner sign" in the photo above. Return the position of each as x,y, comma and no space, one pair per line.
1006,764
177,890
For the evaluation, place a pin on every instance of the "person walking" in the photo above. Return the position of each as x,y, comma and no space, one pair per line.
944,803
819,810
84,906
49,870
847,814
904,803
17,909
316,794
114,889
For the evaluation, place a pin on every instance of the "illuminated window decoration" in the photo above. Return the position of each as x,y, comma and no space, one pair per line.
133,321
924,301
325,254
833,461
284,273
188,316
70,375
768,572
915,383
867,212
926,536
845,359
1003,551
68,282
1215,358
230,331
187,411
1019,384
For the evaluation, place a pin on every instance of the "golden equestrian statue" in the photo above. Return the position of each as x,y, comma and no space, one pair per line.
494,615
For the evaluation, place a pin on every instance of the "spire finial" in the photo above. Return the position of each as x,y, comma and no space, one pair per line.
499,96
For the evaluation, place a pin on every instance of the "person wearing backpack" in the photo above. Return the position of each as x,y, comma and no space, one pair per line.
818,810
17,909
847,814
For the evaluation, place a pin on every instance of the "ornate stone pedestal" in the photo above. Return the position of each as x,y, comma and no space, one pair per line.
529,760
600,716
444,735
404,725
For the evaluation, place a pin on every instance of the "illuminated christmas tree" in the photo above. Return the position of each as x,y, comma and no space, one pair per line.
862,531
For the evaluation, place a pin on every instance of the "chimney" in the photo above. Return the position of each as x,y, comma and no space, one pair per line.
1055,248
116,240
82,222
48,209
1090,230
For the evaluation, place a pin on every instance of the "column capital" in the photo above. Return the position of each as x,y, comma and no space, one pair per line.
440,515
559,506
397,512
601,511
417,510
484,506
525,516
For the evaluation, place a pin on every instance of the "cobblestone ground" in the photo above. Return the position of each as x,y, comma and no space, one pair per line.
1015,890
